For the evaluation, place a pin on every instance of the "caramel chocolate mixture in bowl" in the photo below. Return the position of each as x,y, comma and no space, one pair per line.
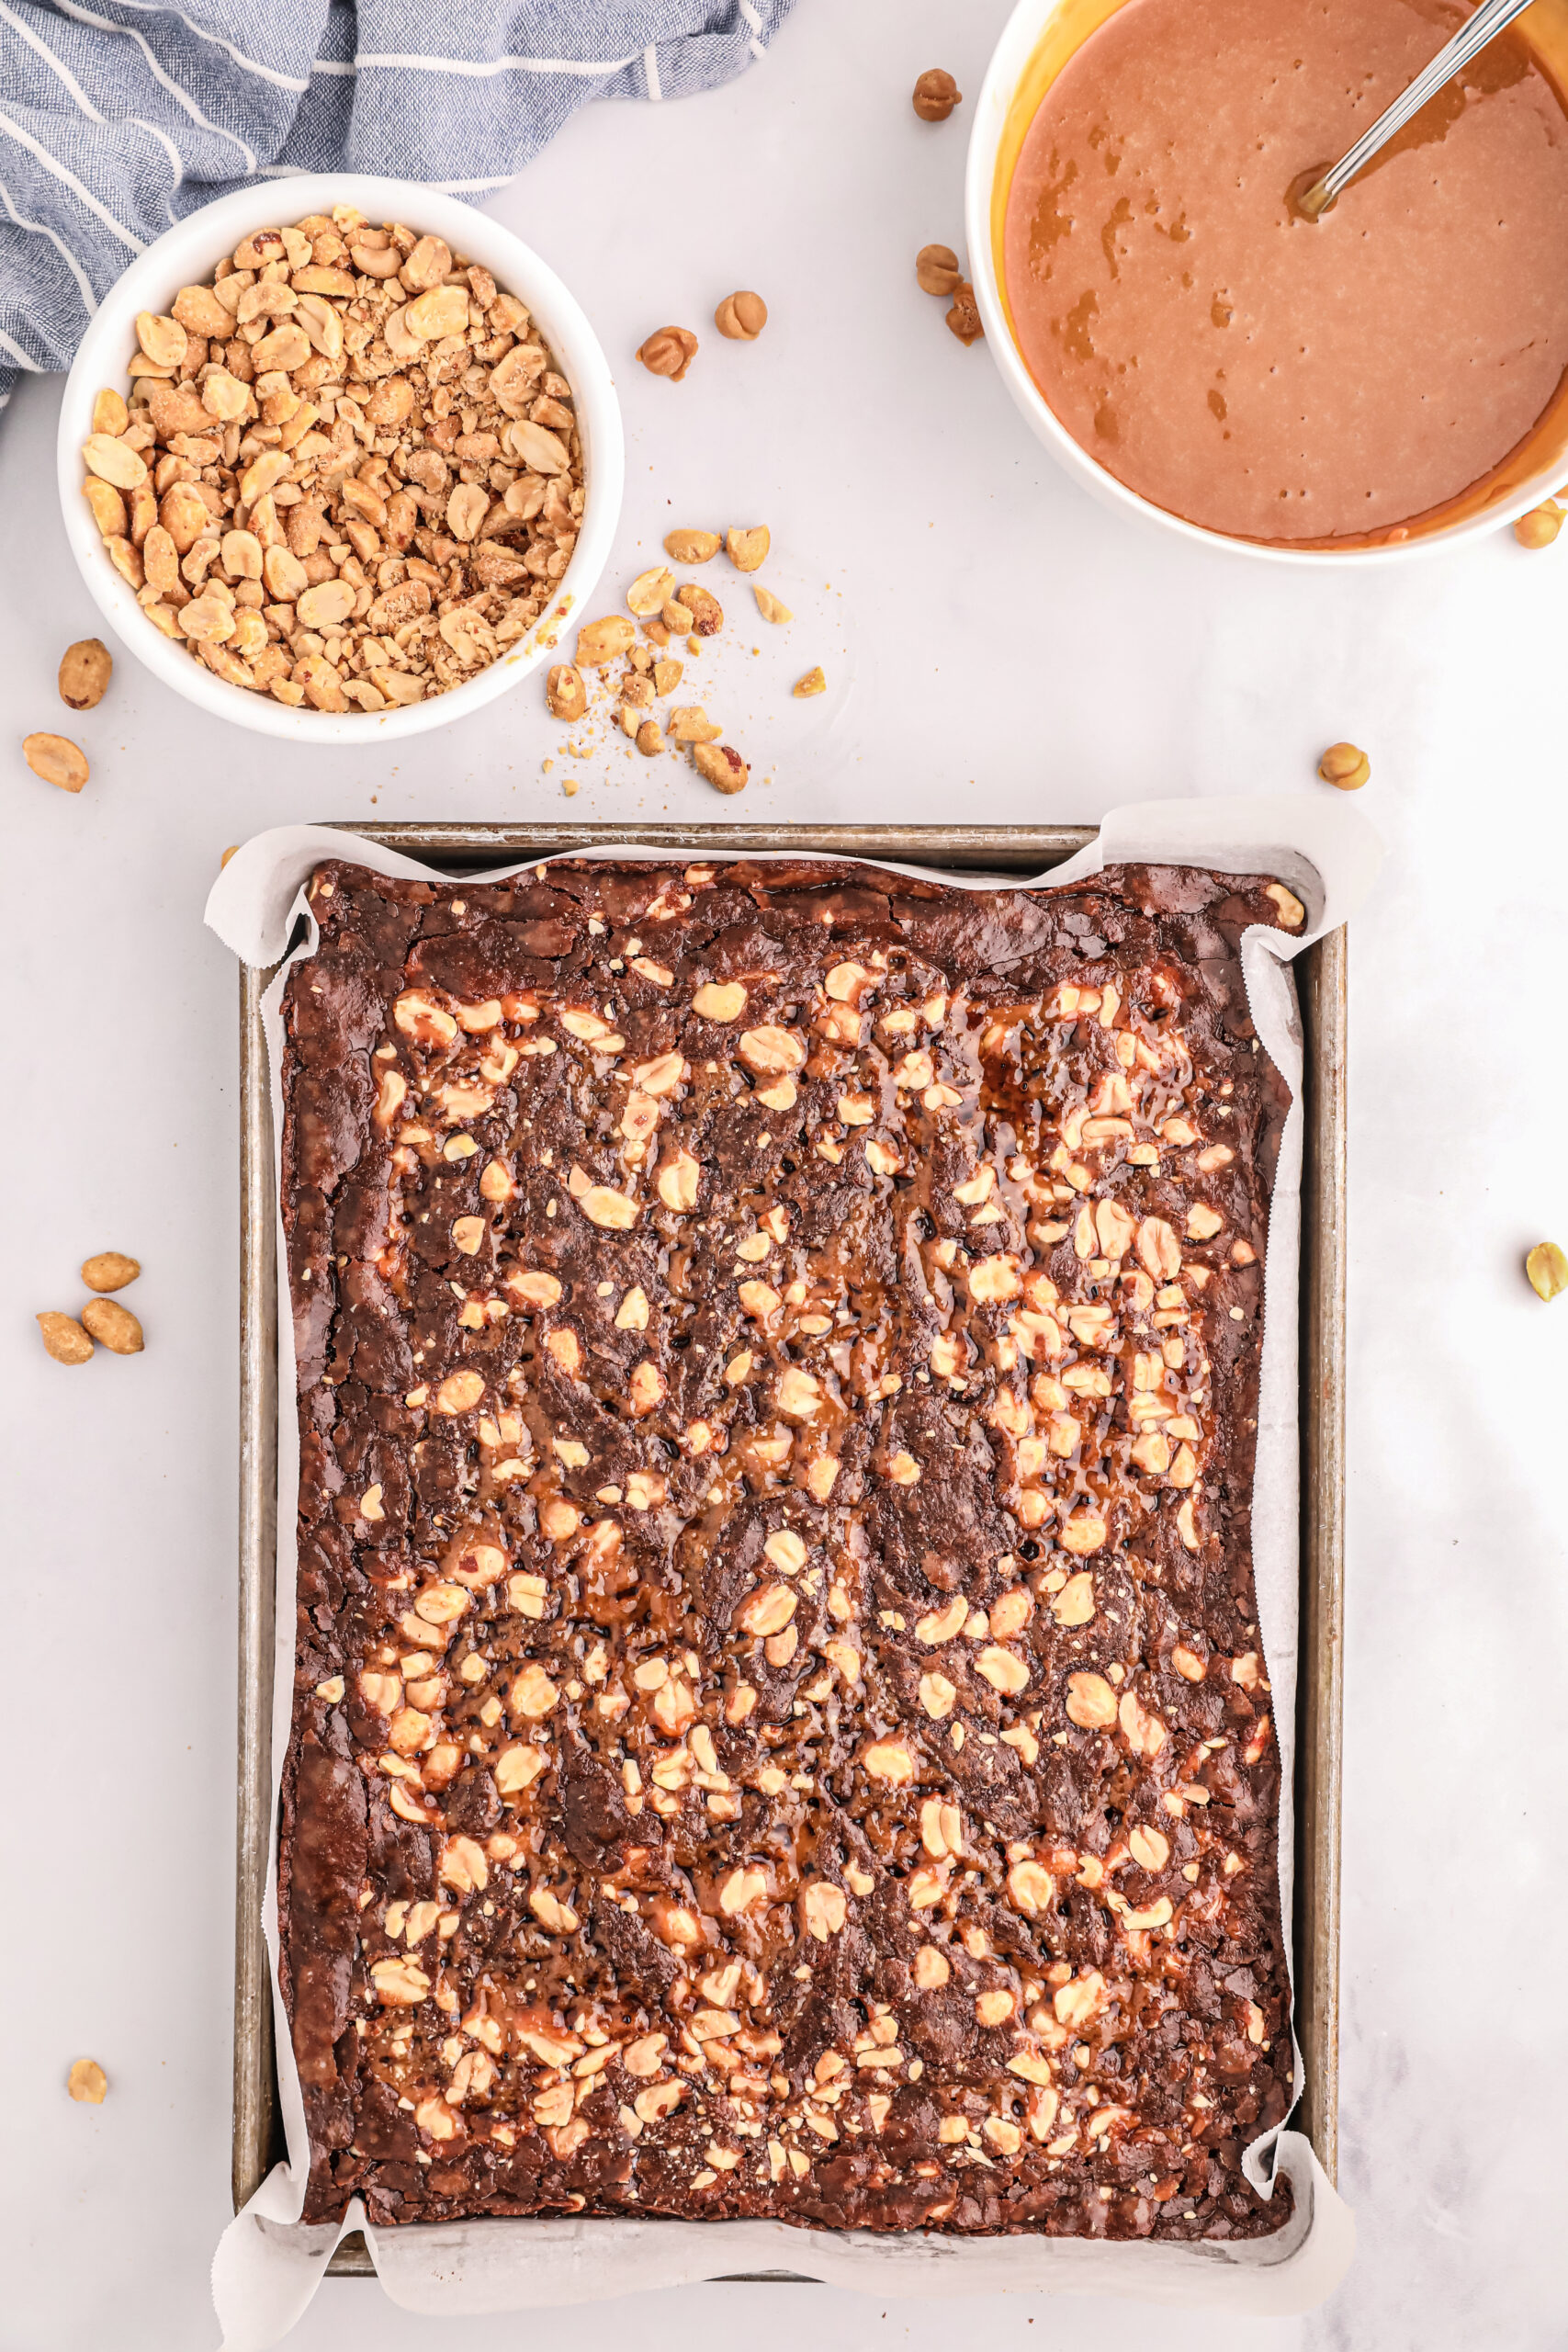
1256,373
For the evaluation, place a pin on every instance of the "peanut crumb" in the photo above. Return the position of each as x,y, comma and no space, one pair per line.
87,2082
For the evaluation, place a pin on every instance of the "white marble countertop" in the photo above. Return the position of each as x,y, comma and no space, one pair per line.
1001,648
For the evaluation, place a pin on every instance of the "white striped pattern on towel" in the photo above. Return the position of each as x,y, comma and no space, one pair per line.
120,116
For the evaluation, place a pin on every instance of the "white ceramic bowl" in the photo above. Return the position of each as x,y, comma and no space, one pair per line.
1028,26
186,255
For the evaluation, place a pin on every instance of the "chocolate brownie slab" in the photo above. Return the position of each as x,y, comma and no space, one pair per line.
781,1723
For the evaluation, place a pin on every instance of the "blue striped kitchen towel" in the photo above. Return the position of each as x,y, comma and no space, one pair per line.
119,118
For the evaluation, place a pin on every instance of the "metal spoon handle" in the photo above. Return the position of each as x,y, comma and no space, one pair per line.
1472,36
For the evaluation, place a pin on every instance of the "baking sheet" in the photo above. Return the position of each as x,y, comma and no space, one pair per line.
268,2267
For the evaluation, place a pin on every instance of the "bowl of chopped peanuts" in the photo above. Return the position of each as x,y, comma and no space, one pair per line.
340,455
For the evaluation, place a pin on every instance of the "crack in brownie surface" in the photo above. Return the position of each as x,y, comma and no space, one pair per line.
780,1726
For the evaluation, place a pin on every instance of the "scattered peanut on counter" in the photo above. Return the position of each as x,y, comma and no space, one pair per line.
84,670
650,591
935,95
722,765
598,642
69,1339
109,1270
669,351
87,2082
705,613
741,317
747,549
113,1326
566,696
692,547
813,683
57,760
1345,766
1540,525
64,1339
1547,1270
665,608
937,270
963,319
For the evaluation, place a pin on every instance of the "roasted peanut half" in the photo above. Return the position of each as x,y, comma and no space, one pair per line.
57,759
113,460
747,549
651,591
107,505
110,414
600,641
1547,1268
722,766
164,340
692,547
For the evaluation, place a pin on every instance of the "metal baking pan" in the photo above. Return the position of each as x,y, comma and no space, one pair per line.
1023,850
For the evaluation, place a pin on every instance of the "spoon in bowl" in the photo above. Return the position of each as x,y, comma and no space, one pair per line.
1322,189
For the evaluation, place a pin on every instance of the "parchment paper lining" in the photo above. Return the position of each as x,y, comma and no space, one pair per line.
268,2264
